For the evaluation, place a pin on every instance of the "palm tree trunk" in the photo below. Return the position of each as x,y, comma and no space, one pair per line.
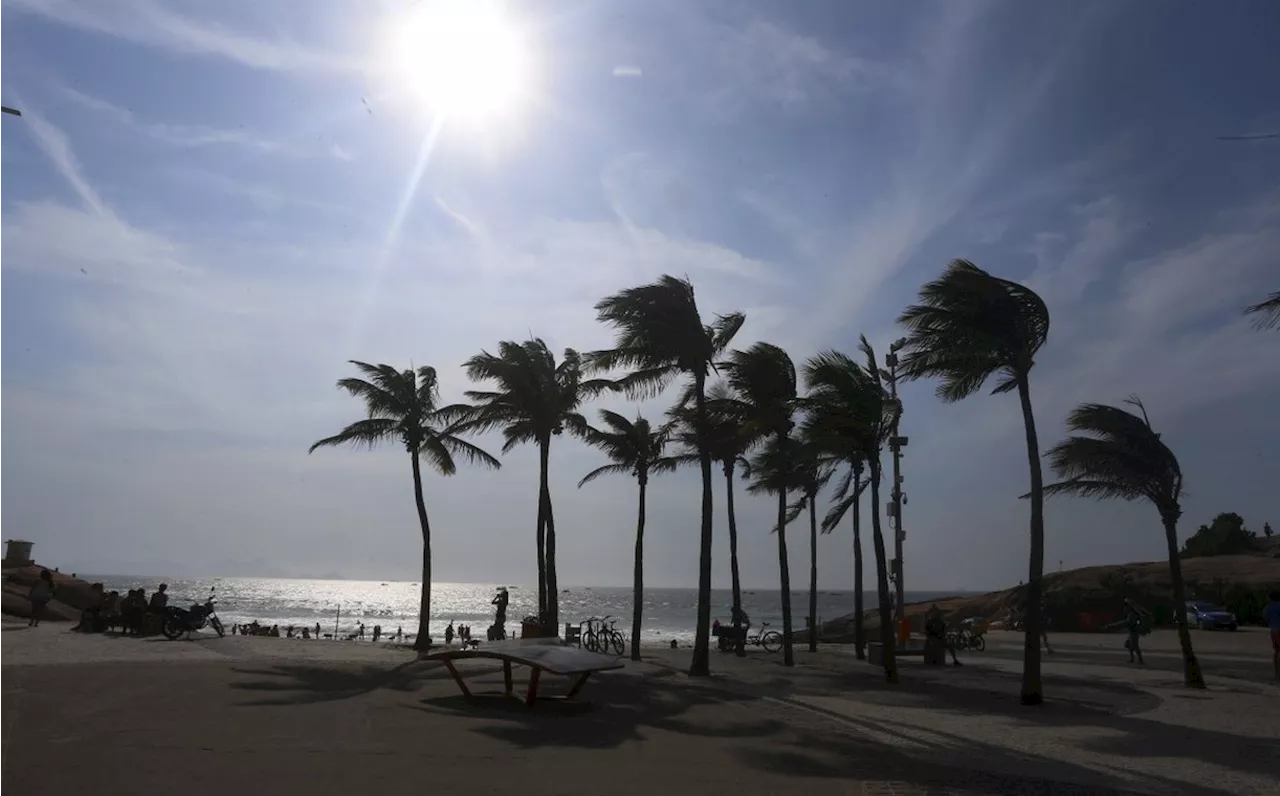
784,568
638,599
813,572
423,639
700,665
882,577
542,551
1032,693
552,617
1191,673
741,648
859,630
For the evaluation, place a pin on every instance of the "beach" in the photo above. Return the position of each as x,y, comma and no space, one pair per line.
120,715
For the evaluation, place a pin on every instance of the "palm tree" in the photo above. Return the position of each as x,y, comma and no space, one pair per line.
660,335
968,326
764,378
634,448
852,414
847,499
1118,454
404,406
811,469
1269,311
534,399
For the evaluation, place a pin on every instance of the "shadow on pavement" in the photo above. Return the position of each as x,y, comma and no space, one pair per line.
301,684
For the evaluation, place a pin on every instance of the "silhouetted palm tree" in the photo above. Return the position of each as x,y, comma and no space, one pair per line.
634,448
811,469
1116,454
534,399
852,414
1269,312
968,326
404,406
847,499
728,442
765,382
660,337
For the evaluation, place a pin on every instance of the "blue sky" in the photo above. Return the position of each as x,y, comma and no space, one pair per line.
208,209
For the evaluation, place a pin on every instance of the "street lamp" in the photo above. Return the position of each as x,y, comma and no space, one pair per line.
896,444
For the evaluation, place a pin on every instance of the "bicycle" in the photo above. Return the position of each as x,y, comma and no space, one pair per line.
771,640
602,638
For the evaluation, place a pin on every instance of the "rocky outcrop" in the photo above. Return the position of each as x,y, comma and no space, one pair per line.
71,595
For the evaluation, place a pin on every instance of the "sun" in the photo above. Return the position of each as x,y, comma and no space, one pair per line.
464,60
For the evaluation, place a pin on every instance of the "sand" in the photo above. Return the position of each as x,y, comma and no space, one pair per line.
217,716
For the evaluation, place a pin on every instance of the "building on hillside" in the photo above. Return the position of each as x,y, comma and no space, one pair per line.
17,553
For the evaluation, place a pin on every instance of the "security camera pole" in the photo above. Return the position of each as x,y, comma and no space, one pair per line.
896,444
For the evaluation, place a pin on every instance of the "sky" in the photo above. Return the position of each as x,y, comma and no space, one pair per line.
209,208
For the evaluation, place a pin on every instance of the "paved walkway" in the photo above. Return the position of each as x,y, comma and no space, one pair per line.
1105,726
230,715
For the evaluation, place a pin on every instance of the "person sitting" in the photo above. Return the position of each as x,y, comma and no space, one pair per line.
91,618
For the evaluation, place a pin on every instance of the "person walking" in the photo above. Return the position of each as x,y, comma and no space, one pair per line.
1137,621
1272,614
40,595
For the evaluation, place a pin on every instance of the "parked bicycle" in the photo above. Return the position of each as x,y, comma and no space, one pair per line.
597,636
968,637
771,640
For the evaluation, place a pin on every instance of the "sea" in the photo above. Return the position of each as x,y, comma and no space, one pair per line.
669,614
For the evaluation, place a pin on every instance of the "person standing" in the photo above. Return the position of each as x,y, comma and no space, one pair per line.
1272,614
40,595
1136,621
448,634
317,630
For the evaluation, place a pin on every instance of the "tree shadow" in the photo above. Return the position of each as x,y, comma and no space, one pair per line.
1117,708
618,706
843,756
298,684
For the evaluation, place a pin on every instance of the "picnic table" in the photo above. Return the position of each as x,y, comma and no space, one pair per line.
539,655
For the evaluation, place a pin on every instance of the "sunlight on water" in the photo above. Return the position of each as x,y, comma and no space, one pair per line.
668,613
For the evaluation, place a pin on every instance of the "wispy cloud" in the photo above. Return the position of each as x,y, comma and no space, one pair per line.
158,25
53,142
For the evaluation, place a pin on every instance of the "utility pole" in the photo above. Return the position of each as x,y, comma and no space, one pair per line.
896,444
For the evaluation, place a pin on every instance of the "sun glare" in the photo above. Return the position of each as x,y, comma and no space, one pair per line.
463,59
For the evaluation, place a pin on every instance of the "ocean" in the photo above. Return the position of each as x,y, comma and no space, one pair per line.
668,613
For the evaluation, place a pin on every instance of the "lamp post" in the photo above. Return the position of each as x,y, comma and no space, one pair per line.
896,444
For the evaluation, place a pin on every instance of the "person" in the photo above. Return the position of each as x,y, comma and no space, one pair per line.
91,617
399,632
1135,621
234,628
317,630
1272,614
448,634
1044,627
40,595
740,617
935,627
159,600
377,633
360,631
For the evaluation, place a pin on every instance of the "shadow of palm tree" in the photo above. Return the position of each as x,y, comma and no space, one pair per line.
298,684
620,707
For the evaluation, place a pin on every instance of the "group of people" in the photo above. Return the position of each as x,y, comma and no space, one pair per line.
463,634
256,628
133,614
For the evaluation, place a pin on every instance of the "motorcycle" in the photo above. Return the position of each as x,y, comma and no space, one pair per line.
182,621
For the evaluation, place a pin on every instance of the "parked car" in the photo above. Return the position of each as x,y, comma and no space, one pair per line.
1208,616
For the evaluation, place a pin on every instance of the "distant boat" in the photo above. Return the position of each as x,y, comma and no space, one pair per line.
382,584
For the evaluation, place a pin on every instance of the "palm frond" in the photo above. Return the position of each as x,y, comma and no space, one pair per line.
471,453
361,434
836,513
1268,312
969,325
608,469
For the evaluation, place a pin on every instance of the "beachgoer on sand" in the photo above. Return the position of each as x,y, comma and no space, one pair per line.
360,632
317,630
40,595
448,634
159,600
1272,614
377,633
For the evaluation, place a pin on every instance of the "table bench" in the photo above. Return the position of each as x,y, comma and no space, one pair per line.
547,655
